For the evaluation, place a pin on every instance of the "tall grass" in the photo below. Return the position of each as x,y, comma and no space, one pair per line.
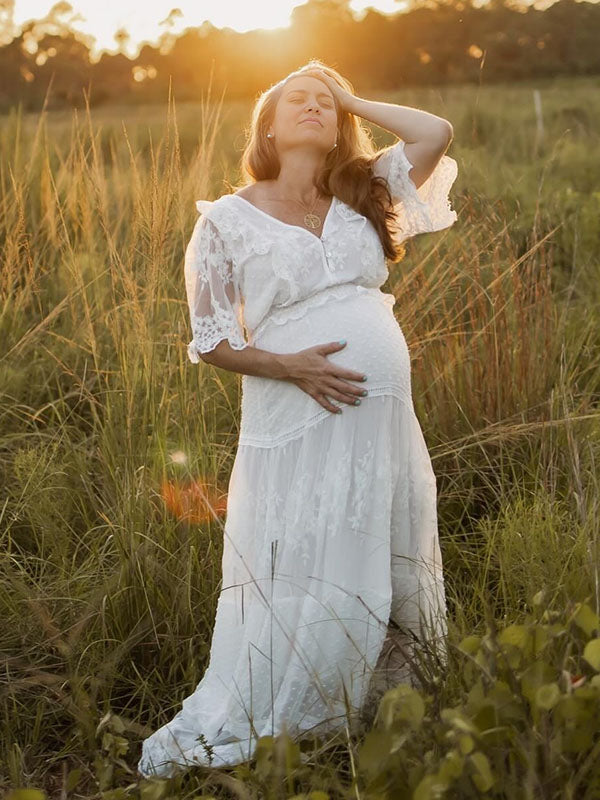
108,582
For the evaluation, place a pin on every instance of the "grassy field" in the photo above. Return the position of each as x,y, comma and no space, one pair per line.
110,562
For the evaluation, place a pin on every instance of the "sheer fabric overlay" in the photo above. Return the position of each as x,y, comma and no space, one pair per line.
423,210
331,523
311,575
213,294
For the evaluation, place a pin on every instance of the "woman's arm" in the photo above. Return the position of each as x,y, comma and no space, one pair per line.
309,369
426,135
248,361
409,124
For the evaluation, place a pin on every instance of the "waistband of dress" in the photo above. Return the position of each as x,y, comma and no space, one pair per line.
281,315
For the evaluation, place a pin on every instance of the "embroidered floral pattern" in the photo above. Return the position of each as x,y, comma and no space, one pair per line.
213,296
423,210
319,534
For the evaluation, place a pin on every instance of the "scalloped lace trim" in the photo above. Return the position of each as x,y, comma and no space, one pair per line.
299,309
423,210
197,347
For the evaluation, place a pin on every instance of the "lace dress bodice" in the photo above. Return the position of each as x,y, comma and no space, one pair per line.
246,270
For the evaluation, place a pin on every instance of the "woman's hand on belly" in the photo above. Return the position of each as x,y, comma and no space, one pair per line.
312,372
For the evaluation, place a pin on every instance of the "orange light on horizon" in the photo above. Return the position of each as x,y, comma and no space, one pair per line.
121,27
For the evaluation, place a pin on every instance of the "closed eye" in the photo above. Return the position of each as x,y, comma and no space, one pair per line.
301,100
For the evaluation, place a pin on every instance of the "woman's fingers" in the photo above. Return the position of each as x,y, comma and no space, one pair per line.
348,389
344,398
322,399
349,397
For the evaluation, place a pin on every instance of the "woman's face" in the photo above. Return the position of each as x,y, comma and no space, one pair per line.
303,98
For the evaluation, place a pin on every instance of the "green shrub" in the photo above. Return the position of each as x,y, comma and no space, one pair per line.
527,724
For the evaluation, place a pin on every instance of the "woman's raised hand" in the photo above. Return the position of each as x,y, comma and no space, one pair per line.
346,100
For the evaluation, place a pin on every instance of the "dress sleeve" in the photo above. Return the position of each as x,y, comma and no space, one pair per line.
421,210
212,292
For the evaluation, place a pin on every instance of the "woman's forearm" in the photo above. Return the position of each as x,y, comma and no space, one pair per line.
249,361
409,124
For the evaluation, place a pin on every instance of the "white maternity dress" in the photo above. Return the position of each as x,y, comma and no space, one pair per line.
331,525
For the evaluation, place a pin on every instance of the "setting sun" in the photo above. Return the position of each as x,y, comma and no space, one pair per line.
148,21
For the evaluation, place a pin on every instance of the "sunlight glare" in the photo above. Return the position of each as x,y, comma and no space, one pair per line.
147,22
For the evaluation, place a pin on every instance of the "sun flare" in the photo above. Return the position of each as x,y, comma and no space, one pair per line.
146,22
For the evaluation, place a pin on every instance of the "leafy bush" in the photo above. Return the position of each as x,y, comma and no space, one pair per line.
528,724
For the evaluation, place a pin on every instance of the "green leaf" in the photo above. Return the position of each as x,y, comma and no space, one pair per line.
595,682
541,637
315,795
117,724
538,598
534,676
470,644
263,753
374,751
451,767
458,720
431,787
516,635
586,619
547,696
120,793
591,653
502,696
482,777
401,704
154,790
27,794
73,778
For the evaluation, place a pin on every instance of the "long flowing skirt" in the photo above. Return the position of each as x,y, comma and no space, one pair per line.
328,536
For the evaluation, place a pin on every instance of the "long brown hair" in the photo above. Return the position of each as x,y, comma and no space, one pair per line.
347,171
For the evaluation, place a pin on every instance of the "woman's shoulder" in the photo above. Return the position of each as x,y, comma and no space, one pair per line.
234,222
248,192
253,191
212,208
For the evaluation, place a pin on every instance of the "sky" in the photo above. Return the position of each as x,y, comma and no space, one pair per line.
142,18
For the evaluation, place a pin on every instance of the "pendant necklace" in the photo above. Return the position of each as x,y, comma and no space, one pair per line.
311,220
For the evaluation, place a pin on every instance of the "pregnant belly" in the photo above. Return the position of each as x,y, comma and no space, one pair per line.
274,411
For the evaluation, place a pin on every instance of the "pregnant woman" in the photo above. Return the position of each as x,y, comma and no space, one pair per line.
331,525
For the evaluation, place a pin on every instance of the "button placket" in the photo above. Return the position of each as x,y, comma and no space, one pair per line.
326,255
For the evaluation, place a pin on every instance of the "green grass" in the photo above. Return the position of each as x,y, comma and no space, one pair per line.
107,599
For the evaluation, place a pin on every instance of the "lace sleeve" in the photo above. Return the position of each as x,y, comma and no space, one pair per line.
212,292
421,210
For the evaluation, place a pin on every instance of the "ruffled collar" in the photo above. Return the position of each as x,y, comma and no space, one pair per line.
338,206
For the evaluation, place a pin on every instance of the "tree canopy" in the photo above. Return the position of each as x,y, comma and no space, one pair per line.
434,42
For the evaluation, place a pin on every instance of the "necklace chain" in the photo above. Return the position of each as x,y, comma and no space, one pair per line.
311,220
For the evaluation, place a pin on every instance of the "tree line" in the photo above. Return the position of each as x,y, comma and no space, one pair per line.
434,42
